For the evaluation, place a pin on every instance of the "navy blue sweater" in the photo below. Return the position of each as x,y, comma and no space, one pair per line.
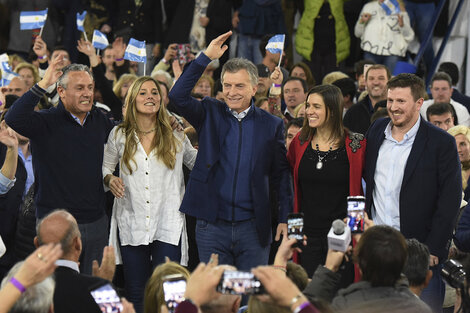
67,157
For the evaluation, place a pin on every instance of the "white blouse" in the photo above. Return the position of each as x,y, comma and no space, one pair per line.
153,193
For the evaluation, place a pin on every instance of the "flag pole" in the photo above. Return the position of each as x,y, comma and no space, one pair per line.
84,34
145,67
40,32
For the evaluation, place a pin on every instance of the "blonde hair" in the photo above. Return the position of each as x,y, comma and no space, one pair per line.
125,78
207,78
164,142
298,108
154,297
460,130
330,78
33,69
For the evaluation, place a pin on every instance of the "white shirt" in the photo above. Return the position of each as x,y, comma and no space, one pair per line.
153,193
462,113
388,177
67,263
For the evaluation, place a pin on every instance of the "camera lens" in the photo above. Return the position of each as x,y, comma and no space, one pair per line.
453,274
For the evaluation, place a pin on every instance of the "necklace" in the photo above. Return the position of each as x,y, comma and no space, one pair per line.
147,132
321,158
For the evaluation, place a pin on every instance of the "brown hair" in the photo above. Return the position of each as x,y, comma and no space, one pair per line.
381,254
333,99
405,80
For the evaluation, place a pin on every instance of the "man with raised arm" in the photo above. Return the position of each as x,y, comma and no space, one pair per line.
241,154
67,144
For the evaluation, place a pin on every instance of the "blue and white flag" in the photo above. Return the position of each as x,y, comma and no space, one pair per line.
135,51
32,19
391,7
276,44
99,41
80,20
7,73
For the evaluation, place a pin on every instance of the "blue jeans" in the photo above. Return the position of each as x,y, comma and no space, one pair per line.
420,17
94,239
236,243
248,48
434,293
138,263
387,60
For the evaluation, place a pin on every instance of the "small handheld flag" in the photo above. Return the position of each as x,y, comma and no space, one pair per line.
135,51
32,19
99,41
80,20
276,45
391,6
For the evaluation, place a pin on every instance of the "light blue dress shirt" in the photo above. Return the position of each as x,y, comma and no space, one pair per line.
28,164
388,177
6,184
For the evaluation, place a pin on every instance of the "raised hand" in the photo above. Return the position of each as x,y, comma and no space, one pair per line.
40,47
217,48
108,264
53,72
276,76
119,48
87,48
39,265
8,136
170,52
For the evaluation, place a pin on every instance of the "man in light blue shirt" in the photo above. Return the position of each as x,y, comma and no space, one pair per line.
413,176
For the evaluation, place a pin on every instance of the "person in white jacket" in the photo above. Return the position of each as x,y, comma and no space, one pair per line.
150,186
385,34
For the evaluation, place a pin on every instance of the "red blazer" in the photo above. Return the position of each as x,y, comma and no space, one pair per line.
355,148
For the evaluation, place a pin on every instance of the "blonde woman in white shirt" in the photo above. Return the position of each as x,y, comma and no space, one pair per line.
150,187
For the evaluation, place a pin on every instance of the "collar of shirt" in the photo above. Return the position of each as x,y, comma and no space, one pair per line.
410,135
242,114
287,113
78,120
70,264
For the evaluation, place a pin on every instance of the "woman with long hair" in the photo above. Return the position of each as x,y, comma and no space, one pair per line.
150,186
326,162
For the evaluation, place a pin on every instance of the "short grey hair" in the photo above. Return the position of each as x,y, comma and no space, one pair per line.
37,298
236,64
64,78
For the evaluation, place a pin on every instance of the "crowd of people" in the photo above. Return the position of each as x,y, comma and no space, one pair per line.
111,176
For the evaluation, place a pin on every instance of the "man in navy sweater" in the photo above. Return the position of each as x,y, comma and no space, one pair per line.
67,144
241,156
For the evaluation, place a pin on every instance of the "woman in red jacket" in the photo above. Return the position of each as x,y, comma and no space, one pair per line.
326,162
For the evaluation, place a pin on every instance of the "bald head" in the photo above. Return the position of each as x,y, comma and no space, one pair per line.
16,87
59,227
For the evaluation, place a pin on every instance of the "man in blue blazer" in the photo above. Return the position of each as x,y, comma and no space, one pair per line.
241,155
413,176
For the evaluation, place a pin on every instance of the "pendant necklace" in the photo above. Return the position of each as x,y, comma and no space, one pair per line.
321,158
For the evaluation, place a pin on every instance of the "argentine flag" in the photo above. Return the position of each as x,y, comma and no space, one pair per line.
135,51
391,7
276,44
32,19
80,20
7,73
99,41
